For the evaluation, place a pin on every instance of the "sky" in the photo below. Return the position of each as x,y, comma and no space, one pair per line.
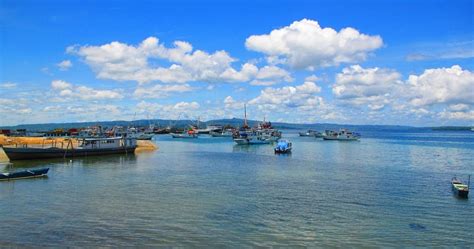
348,62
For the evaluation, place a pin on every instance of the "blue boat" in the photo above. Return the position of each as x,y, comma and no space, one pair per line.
283,146
24,174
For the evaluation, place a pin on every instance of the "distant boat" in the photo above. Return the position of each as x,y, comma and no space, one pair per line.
24,174
283,146
259,136
224,133
459,188
342,135
186,134
209,129
311,133
87,147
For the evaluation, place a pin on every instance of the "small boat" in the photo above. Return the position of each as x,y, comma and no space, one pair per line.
189,134
342,135
283,146
459,188
24,174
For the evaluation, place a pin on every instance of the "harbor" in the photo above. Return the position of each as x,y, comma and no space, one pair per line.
213,191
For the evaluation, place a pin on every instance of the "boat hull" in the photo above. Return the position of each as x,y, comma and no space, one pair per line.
24,174
244,141
461,193
39,153
183,136
340,139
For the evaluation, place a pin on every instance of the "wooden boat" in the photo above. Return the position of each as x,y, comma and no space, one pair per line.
459,188
24,174
88,147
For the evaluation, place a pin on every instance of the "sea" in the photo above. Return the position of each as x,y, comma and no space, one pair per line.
390,189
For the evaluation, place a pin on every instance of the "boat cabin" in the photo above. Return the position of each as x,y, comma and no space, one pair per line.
107,143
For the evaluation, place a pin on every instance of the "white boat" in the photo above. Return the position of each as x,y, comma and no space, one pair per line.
342,135
209,129
224,133
259,136
185,134
311,133
263,134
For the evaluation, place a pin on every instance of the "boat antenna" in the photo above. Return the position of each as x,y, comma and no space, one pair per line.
469,182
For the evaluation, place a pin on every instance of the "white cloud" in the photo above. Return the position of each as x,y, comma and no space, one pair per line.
232,104
8,85
442,86
262,82
304,44
371,87
457,115
68,90
60,85
160,91
288,96
122,62
312,78
64,65
171,111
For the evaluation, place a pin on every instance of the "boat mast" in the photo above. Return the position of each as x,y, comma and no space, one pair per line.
245,116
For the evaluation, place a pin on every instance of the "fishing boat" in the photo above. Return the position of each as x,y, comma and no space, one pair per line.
209,129
310,133
264,133
191,133
459,188
257,136
283,146
224,133
24,174
87,147
342,135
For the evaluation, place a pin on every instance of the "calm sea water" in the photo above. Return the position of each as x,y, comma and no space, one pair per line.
389,189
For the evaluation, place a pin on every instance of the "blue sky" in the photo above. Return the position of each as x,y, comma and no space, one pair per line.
357,62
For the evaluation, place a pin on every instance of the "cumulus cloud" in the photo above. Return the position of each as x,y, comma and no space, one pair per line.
231,103
160,91
122,62
172,111
442,86
305,44
371,87
68,90
64,65
289,96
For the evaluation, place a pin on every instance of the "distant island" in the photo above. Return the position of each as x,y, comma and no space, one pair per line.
452,128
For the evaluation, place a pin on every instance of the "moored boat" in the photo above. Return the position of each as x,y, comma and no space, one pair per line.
283,146
224,133
342,135
459,188
87,147
24,174
310,133
191,133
